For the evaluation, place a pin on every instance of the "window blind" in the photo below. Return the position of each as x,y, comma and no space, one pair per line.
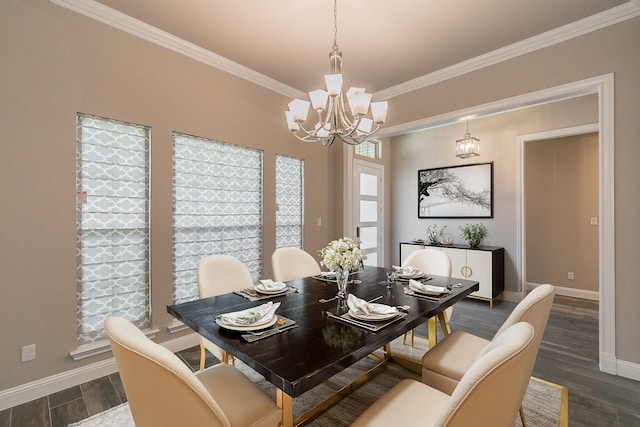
217,207
112,224
289,201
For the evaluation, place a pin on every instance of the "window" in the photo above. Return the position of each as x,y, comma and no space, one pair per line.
217,196
289,201
112,223
370,148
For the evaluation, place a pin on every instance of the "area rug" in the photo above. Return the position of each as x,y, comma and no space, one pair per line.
545,404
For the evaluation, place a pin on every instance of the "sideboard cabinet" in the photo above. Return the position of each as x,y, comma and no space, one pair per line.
484,264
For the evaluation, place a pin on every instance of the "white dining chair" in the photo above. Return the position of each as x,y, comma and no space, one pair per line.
293,263
217,275
162,391
489,394
436,262
444,365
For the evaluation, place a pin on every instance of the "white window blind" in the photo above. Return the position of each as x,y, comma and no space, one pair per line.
289,201
217,207
112,216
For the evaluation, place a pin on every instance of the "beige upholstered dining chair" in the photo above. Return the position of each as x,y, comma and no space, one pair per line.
444,365
489,394
163,391
217,275
430,261
293,263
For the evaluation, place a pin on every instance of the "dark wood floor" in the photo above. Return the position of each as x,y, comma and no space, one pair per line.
568,356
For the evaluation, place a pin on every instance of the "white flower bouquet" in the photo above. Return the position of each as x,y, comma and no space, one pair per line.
343,254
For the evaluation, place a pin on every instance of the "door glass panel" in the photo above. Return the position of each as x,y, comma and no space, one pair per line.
368,185
372,259
368,210
368,237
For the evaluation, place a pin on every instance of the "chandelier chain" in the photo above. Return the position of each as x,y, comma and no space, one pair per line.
335,25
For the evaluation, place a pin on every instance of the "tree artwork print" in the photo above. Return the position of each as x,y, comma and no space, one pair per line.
456,192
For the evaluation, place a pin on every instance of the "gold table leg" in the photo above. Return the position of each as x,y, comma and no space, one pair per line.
433,332
285,402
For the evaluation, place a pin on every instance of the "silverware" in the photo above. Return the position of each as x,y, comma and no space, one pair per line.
375,299
322,300
404,308
272,331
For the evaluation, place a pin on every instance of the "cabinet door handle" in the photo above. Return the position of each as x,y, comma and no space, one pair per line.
466,271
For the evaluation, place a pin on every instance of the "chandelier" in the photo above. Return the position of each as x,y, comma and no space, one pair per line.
333,120
469,146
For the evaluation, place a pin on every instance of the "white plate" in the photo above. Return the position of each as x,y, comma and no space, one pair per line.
253,327
260,288
373,317
328,273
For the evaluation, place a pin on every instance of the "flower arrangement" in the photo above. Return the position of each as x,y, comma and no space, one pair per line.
474,233
343,254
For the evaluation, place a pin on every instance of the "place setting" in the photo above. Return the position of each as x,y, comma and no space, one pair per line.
425,291
330,277
266,289
407,273
256,323
368,314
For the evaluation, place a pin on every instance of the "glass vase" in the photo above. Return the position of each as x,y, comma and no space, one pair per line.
342,278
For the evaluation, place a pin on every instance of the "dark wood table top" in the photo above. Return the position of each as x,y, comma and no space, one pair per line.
301,358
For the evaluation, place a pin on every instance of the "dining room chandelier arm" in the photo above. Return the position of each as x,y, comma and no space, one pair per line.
333,119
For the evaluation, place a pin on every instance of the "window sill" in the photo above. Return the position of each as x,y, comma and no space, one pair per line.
103,346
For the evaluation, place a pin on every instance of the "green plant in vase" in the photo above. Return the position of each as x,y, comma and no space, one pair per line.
474,233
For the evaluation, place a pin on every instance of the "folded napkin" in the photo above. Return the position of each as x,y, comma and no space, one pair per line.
406,270
264,312
428,289
270,285
360,306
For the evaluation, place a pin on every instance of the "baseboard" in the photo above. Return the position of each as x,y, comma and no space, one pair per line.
628,370
570,292
58,382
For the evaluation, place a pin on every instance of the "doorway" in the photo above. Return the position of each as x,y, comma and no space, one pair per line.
561,214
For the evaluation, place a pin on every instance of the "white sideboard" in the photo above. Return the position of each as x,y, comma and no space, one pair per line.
484,264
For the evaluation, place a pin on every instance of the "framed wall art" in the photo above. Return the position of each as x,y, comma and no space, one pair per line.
464,191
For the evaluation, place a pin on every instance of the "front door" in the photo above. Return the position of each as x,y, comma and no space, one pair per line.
368,209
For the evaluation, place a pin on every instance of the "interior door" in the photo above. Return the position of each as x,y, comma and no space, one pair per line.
368,209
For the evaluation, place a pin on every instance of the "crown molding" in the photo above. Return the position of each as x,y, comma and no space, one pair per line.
592,23
94,10
137,28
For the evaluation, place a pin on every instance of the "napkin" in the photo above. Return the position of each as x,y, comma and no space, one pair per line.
251,315
407,270
360,306
427,289
270,285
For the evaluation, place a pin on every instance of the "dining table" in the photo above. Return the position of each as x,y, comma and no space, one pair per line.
321,339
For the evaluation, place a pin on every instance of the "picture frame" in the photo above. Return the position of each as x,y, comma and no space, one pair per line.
462,191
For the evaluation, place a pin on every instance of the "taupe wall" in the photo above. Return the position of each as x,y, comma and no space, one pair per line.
56,63
561,184
610,50
498,135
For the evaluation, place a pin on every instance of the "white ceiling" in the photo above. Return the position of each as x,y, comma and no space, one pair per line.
385,43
